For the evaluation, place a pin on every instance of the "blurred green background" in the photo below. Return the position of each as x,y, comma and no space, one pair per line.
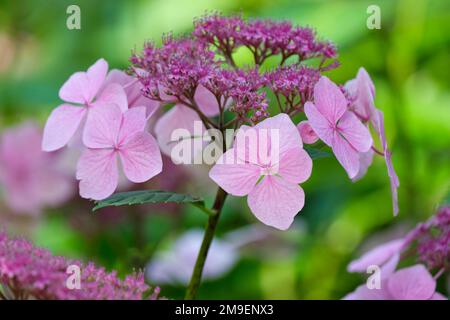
408,59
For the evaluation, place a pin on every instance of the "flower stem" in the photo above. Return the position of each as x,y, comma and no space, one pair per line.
210,230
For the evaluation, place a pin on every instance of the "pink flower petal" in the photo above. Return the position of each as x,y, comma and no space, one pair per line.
206,101
288,134
412,283
61,126
179,117
355,132
321,126
134,121
233,176
275,201
113,94
393,178
362,90
377,256
438,296
133,90
329,100
82,87
364,293
295,165
102,126
365,160
97,172
307,133
96,75
347,156
141,158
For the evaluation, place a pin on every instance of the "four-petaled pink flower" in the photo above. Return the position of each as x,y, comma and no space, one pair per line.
109,134
412,283
84,91
337,126
272,184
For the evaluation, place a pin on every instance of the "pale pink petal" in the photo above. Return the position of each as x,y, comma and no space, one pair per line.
365,160
76,89
321,126
206,101
355,132
377,256
61,126
364,293
295,165
96,75
412,283
389,266
329,100
275,201
347,156
287,132
97,172
438,296
233,176
307,133
362,90
102,126
141,158
133,90
393,178
113,94
134,121
179,117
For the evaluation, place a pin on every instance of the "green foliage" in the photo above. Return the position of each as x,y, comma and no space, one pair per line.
147,196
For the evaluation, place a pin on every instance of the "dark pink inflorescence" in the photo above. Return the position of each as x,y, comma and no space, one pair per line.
432,240
29,272
264,38
173,71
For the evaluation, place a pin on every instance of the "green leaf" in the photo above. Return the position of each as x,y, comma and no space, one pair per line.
317,153
148,196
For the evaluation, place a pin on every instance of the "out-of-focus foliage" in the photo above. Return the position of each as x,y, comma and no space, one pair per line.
408,59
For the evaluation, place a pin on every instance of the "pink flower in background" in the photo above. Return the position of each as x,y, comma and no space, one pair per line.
183,117
133,90
175,264
307,133
385,256
336,126
30,178
412,283
274,194
29,272
113,134
83,92
362,91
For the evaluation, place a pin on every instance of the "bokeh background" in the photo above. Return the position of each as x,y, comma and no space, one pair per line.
408,59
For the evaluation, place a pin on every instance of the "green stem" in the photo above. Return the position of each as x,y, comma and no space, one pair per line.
210,230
